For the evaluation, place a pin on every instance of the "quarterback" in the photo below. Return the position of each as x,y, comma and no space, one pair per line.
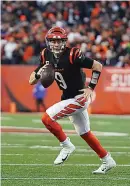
68,64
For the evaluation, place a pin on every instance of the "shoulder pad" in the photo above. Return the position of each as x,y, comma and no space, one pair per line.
74,52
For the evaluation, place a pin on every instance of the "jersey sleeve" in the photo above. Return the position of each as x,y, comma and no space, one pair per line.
81,60
41,60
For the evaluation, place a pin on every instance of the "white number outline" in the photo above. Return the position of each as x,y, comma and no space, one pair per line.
60,79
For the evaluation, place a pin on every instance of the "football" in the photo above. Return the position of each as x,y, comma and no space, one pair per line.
47,76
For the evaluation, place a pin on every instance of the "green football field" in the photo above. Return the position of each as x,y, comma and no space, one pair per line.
27,158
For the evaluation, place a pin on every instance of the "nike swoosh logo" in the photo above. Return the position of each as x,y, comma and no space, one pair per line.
104,169
65,158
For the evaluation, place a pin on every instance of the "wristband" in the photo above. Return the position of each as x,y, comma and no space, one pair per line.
37,76
94,79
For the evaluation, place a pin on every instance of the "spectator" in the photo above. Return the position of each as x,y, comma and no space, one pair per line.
121,62
102,26
39,93
9,47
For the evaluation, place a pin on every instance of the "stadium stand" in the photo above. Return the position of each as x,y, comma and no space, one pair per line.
100,28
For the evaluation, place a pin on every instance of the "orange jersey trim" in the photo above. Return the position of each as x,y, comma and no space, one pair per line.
71,54
76,53
42,55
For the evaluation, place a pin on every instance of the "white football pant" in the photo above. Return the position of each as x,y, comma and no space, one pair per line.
74,108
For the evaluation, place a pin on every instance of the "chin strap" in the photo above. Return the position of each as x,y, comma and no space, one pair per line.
56,55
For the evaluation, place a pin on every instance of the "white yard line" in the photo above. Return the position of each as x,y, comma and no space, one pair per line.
31,164
12,144
6,114
110,116
28,140
5,118
59,121
71,178
97,133
78,148
67,122
75,154
49,140
18,127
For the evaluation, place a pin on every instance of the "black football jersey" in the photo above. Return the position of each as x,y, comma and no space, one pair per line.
68,70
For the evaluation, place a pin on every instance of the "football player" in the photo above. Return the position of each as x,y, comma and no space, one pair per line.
68,64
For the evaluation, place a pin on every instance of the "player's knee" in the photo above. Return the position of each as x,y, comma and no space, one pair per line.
51,125
86,133
46,119
81,132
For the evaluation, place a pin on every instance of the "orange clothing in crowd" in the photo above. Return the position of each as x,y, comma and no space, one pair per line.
28,53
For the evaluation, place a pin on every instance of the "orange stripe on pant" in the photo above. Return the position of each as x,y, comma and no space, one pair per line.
67,110
81,101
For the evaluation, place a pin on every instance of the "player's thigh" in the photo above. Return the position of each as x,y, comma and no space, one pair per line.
63,109
81,122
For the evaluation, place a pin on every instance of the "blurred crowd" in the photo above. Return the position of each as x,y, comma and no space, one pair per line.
100,28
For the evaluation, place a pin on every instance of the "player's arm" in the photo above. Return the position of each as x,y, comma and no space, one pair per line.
96,72
36,74
85,62
96,67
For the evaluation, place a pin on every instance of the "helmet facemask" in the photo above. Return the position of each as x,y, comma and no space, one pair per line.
56,46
